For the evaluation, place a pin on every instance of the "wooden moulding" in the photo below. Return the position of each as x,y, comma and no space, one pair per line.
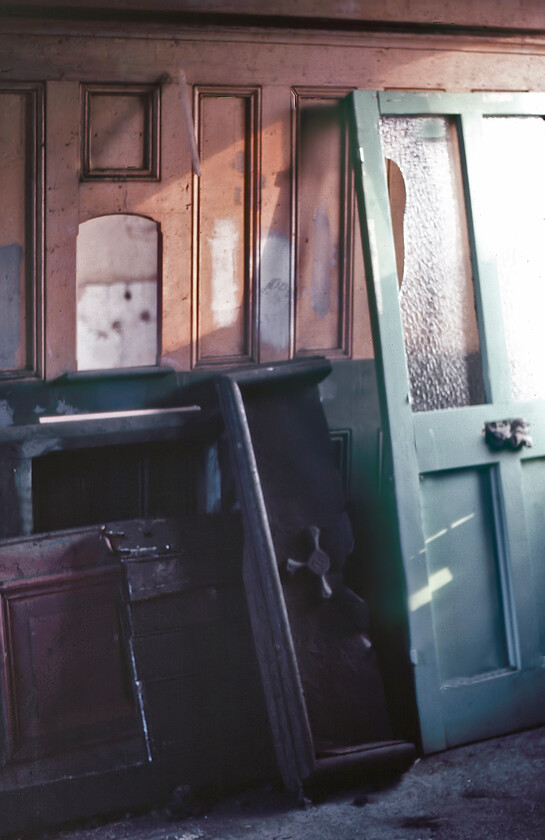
274,644
134,108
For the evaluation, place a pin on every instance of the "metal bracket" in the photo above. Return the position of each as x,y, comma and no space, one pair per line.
508,434
318,562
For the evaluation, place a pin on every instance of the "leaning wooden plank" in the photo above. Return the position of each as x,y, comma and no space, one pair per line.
274,644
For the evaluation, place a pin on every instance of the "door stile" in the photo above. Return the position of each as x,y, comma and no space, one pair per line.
500,475
520,601
403,479
495,360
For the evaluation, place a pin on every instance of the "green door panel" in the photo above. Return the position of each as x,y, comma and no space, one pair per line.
464,575
533,478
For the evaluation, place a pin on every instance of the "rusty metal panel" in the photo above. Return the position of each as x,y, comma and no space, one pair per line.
225,225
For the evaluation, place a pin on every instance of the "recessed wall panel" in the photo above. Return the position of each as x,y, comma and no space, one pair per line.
120,129
226,226
463,574
324,218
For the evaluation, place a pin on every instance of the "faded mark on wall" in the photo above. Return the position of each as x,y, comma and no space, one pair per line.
225,283
11,257
65,408
321,263
275,284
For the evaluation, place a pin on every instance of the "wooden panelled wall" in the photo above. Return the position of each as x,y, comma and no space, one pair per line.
211,281
259,260
257,257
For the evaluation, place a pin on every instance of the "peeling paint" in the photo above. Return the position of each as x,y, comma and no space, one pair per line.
225,284
6,414
65,408
36,447
117,325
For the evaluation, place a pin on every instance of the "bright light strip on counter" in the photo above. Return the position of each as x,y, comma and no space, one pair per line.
114,415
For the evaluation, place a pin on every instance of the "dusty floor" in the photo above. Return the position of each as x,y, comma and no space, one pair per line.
495,789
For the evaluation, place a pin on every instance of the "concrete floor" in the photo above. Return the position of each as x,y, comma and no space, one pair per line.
495,789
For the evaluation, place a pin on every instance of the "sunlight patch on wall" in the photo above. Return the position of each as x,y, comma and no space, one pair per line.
424,595
226,297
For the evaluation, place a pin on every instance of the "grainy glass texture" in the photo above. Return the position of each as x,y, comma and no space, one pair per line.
514,168
436,283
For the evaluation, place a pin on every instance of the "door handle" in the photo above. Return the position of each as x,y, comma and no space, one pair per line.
508,434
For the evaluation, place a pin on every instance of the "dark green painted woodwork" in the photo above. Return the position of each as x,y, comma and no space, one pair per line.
464,574
351,404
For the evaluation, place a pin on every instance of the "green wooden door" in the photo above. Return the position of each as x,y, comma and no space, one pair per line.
451,196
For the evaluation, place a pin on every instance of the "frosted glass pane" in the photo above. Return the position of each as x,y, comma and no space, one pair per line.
436,282
116,278
514,168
